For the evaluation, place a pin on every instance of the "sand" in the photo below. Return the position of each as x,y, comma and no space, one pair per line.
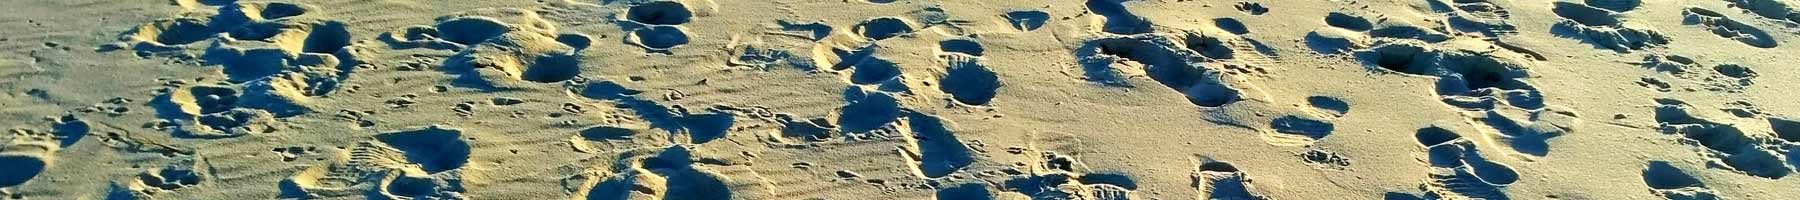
900,99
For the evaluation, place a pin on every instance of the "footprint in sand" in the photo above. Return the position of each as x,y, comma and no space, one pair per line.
1027,20
1603,27
656,26
1692,75
1115,18
1735,149
27,155
881,28
1458,169
1675,183
1111,60
1222,181
1727,28
498,48
1064,178
417,163
1779,10
965,79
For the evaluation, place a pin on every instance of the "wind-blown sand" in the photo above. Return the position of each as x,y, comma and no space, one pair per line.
900,99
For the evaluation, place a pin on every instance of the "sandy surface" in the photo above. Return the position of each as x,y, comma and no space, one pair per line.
900,99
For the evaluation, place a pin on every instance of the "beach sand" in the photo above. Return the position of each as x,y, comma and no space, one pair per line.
900,99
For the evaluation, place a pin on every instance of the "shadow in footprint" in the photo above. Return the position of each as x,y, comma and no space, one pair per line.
470,30
882,28
1673,183
1160,61
17,169
675,165
1331,105
702,128
435,148
940,153
660,13
965,191
1220,180
1302,126
874,70
602,133
1661,175
865,110
968,82
816,30
659,38
1737,149
1027,20
1119,20
1348,22
1727,28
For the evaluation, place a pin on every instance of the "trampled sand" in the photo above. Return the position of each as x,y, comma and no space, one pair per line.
900,99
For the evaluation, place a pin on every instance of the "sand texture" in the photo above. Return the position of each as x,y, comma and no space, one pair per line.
900,99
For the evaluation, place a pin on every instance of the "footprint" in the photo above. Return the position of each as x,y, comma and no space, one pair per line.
656,25
881,28
965,46
1458,170
1111,60
308,36
171,32
845,58
1602,27
1300,129
968,82
658,38
1116,19
934,147
1727,27
1788,129
1728,77
1484,16
1063,183
1221,181
468,31
1251,8
1674,183
1330,105
1231,25
1348,22
416,163
500,48
1736,149
181,172
208,111
813,30
698,127
964,191
23,159
1615,5
660,13
1529,131
1027,20
1780,10
252,41
1474,78
668,173
1325,159
873,71
802,131
435,149
865,111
